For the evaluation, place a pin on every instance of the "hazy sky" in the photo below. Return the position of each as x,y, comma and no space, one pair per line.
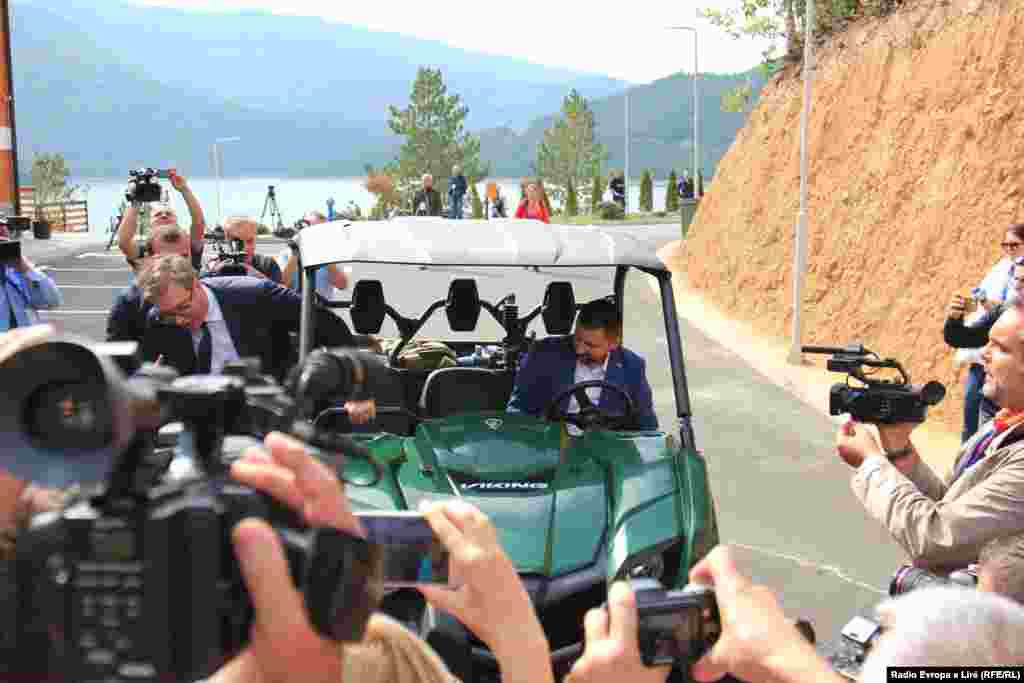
629,42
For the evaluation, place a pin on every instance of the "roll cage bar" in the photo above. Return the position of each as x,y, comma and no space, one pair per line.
409,327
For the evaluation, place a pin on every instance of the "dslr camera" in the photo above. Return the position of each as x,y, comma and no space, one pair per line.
860,633
137,578
876,401
143,187
678,627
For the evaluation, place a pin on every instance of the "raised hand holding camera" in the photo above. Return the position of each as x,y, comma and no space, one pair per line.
143,188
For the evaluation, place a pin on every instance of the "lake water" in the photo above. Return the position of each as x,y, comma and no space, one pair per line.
294,196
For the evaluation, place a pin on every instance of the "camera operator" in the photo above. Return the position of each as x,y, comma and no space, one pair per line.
327,279
245,229
427,200
284,647
942,524
962,335
163,215
23,289
199,325
127,319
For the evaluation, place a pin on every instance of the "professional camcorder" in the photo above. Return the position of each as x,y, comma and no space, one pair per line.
879,401
137,579
143,188
229,252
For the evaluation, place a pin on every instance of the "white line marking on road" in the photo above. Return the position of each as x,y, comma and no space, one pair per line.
63,286
94,254
84,270
821,568
65,311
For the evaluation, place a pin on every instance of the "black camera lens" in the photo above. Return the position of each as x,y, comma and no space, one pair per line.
69,416
909,578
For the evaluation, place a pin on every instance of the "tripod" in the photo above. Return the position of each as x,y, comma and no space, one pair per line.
270,205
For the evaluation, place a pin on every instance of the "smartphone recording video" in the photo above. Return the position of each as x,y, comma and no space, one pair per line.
405,548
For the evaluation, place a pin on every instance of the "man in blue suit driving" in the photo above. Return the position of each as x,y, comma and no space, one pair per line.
593,352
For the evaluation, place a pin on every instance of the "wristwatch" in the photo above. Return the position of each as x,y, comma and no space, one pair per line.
898,453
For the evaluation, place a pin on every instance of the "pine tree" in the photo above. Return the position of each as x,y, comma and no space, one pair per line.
474,198
435,136
671,195
571,200
646,191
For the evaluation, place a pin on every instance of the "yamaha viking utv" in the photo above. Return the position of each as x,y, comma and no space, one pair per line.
573,512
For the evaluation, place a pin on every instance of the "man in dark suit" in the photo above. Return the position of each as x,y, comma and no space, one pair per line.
199,326
127,319
593,352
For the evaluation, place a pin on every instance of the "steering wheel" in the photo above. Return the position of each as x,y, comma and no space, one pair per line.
590,415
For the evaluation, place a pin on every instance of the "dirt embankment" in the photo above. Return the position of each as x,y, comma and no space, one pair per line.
916,168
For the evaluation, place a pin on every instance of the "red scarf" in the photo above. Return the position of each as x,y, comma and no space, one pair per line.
1003,420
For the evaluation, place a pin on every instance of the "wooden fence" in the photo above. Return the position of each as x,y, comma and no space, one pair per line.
70,216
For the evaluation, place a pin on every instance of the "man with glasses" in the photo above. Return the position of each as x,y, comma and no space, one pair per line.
990,295
127,319
163,215
198,326
962,335
943,522
245,229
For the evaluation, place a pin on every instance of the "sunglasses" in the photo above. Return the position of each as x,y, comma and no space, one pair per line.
1011,245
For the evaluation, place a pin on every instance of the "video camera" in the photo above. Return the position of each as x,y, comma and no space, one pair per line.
230,252
878,401
138,579
143,188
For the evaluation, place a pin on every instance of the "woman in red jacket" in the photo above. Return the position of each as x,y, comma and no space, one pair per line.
533,205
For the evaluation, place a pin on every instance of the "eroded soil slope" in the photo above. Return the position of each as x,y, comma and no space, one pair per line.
916,156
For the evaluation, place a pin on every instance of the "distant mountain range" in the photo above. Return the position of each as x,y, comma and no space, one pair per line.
115,86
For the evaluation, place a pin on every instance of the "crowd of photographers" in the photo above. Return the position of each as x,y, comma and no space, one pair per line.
185,314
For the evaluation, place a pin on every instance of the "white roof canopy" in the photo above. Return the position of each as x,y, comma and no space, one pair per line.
496,242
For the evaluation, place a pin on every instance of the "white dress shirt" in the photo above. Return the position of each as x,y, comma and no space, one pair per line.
222,347
586,373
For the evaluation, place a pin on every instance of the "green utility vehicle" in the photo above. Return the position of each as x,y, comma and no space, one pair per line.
573,512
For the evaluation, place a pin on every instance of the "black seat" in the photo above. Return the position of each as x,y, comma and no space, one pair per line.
463,390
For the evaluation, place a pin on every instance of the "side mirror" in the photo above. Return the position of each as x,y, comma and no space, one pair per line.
463,305
559,310
367,308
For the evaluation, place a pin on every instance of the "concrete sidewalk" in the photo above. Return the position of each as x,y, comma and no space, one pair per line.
809,383
61,245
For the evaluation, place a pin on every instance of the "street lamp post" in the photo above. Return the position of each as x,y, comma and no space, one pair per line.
696,112
625,205
800,247
218,163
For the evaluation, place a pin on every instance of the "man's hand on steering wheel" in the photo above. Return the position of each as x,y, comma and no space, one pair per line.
590,415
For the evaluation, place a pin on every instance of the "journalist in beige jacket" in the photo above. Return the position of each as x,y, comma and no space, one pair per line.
942,523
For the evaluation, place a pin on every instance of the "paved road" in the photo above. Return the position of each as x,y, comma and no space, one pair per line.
782,495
